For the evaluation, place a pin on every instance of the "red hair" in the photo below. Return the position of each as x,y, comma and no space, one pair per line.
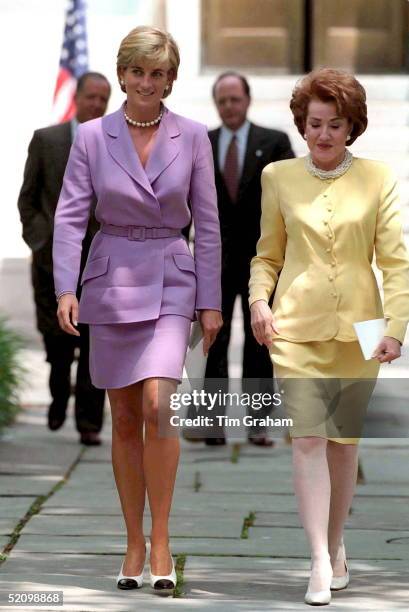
329,85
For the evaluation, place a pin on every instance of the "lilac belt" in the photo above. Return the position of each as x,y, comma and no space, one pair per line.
139,232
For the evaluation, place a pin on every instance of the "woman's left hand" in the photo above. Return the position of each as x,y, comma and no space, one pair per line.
387,350
211,322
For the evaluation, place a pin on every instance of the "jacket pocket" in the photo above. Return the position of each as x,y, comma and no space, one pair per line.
94,268
184,262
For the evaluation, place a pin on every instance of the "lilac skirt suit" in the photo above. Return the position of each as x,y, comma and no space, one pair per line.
141,286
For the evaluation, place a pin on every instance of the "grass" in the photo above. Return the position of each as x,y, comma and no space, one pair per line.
11,373
247,523
180,570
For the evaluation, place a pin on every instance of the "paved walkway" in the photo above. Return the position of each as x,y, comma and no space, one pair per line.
235,531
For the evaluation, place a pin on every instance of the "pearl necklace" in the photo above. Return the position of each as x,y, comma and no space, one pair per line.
329,174
143,124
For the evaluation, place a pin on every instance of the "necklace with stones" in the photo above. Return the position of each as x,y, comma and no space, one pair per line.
330,174
143,124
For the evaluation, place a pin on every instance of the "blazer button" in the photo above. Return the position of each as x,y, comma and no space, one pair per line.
332,264
325,222
331,278
328,250
334,295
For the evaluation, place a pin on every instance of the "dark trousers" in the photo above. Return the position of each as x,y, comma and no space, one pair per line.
257,367
89,401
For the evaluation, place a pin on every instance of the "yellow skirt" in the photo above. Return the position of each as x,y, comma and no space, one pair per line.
325,387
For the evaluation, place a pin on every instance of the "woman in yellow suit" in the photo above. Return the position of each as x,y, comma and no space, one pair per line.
323,218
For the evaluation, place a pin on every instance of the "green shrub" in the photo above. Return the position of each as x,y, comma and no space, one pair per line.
10,373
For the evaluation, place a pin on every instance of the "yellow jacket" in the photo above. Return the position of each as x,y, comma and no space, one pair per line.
318,238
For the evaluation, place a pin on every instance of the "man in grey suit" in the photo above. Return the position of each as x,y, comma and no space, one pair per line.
241,150
43,175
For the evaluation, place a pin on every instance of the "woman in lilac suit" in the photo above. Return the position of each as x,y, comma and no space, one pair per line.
147,168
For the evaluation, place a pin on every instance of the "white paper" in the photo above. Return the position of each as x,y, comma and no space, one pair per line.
195,364
369,334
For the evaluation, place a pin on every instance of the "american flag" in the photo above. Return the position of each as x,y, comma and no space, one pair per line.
73,61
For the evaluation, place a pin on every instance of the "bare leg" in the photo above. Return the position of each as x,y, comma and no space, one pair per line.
343,465
161,458
127,461
313,491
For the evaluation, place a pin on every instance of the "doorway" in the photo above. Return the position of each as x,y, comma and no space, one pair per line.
294,36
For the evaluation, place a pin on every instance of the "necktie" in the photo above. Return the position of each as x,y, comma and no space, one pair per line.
231,169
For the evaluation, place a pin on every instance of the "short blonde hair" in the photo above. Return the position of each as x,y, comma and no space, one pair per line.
147,44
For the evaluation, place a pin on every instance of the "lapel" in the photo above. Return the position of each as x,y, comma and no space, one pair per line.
166,147
250,158
120,146
56,155
214,136
66,141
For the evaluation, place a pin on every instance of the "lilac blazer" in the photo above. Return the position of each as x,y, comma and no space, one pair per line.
124,280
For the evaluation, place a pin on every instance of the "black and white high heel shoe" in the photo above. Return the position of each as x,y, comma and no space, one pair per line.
164,583
129,582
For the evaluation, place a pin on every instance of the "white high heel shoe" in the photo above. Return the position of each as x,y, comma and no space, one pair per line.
129,582
318,598
340,582
161,583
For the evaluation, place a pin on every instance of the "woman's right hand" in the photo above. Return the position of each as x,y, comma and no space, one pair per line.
67,313
262,323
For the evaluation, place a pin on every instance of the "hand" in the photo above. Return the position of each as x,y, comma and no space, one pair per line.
211,322
67,313
387,350
262,323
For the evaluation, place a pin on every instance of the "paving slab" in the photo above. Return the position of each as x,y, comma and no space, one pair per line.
28,485
388,505
81,594
15,507
281,546
55,563
376,544
267,580
106,502
7,526
114,526
263,482
377,519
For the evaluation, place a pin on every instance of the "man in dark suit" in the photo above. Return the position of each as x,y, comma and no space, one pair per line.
241,149
43,176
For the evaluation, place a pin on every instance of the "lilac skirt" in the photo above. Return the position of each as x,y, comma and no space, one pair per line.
122,354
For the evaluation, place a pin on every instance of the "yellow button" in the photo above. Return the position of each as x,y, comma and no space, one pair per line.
325,195
332,263
331,278
325,222
334,295
329,209
328,250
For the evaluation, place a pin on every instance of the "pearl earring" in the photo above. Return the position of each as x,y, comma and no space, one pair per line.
167,87
122,82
